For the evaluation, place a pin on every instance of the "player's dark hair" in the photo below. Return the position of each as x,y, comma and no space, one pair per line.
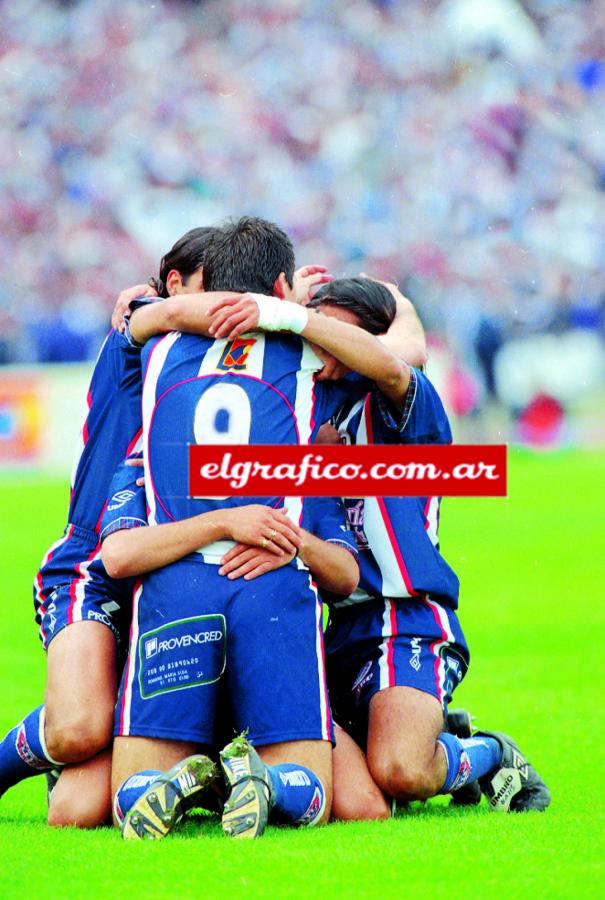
186,256
248,255
368,299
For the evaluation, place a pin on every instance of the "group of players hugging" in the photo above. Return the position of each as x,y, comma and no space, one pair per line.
187,662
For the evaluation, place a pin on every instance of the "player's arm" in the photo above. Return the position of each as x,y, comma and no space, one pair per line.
357,349
327,548
360,351
405,337
131,547
135,551
333,567
182,312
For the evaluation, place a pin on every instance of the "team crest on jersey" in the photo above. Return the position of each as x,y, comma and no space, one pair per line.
235,354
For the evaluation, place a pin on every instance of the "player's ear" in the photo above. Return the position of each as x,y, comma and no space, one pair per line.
282,289
174,283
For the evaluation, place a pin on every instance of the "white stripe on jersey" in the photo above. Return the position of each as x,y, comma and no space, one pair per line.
379,540
310,363
432,520
155,365
378,536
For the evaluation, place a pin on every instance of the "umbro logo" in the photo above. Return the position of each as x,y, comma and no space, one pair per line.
415,644
120,499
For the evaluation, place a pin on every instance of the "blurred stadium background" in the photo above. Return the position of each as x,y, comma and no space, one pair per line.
454,146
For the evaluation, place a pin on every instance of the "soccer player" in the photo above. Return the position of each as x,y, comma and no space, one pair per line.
82,613
395,650
258,389
324,545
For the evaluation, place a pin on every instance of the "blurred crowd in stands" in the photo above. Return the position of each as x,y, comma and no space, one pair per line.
455,146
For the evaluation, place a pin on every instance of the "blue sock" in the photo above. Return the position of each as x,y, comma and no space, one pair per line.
23,751
299,794
468,759
130,791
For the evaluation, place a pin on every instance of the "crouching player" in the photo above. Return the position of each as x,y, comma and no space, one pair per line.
82,613
151,802
394,648
266,646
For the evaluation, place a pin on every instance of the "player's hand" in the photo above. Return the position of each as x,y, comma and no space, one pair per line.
263,527
250,562
124,300
308,277
234,316
138,461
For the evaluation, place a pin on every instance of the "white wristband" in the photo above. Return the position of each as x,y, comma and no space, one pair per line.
280,315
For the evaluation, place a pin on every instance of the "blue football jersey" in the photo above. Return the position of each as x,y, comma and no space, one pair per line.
397,537
111,429
257,389
126,507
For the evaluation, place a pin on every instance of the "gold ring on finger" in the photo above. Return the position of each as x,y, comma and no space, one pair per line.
273,533
264,543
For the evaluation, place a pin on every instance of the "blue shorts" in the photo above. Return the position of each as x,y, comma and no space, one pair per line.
384,643
203,648
73,586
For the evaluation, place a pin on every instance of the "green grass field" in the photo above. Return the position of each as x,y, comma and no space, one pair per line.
532,569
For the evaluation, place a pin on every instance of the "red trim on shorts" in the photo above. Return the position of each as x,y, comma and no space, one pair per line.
131,660
438,661
73,587
38,580
391,643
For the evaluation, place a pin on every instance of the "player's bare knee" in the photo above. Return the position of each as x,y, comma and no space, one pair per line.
361,808
405,780
78,738
79,812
